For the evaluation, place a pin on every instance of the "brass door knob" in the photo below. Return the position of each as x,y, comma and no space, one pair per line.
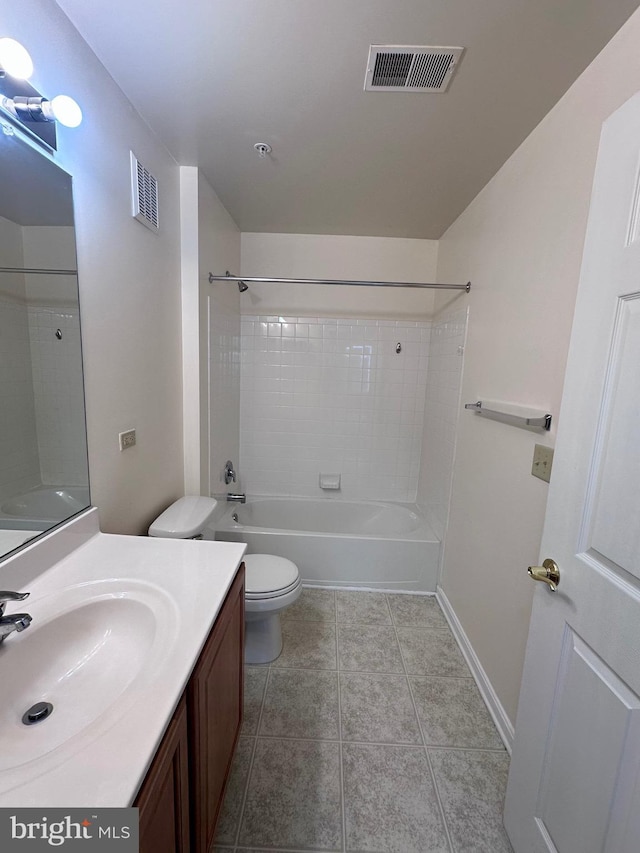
548,573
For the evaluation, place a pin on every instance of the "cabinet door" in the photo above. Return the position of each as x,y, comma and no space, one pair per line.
215,714
163,799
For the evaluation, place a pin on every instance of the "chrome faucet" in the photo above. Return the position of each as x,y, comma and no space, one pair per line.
241,499
229,473
15,622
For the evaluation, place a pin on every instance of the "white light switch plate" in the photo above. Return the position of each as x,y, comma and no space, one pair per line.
542,462
127,439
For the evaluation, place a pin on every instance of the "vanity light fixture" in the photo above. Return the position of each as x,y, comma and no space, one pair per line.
62,109
24,105
15,59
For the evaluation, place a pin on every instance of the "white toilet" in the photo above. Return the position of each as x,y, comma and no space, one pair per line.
271,583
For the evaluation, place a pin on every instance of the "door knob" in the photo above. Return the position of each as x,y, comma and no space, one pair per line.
548,573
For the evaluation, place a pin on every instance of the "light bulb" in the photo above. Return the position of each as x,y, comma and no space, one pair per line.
66,110
15,59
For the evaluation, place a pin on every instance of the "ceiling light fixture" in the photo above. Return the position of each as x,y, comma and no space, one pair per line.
15,59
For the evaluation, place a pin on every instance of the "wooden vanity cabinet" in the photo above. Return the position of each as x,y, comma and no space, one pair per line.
163,799
181,796
214,701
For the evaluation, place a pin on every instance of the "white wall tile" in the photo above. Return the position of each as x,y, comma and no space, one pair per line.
353,405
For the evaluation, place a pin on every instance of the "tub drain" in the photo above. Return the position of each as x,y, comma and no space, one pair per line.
37,713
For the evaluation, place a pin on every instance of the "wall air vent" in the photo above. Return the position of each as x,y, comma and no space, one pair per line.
144,189
407,68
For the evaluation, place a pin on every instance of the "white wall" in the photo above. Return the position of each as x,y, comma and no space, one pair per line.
520,242
210,334
129,277
335,257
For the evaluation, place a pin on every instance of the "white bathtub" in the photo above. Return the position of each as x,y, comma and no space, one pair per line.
339,543
43,506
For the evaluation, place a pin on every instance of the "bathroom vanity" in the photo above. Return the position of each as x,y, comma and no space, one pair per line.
185,784
138,645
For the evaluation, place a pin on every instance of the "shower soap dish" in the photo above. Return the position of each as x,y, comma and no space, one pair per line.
330,481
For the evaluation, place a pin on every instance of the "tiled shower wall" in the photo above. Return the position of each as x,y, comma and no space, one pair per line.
19,462
224,385
327,395
57,392
442,409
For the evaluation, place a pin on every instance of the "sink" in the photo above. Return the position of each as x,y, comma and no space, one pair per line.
90,651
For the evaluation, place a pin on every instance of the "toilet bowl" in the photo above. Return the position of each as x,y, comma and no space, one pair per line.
271,583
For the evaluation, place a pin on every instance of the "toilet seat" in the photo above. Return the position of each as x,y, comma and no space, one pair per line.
267,576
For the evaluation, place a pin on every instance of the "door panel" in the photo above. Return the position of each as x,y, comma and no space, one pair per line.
592,739
574,781
615,531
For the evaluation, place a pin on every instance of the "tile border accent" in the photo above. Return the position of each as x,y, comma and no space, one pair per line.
489,695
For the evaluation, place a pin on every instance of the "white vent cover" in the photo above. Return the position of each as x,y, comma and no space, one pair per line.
407,68
144,188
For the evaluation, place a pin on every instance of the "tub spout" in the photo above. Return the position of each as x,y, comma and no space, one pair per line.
241,499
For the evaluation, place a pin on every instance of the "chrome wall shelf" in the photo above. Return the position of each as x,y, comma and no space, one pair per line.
516,415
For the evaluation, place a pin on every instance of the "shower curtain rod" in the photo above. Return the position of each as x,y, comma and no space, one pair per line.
260,280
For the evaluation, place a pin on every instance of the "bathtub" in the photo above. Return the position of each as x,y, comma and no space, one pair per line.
338,543
43,507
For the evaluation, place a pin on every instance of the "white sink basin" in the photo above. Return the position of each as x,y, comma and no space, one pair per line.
90,650
118,624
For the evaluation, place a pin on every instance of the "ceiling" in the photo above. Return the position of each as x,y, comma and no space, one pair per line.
213,78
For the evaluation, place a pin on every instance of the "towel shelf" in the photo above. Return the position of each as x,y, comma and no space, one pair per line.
512,414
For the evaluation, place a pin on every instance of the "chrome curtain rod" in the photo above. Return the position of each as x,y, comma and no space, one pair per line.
40,271
250,280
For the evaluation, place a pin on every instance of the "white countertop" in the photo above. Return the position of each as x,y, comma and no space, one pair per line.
104,765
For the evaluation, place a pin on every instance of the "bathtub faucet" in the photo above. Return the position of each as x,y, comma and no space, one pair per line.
241,499
16,622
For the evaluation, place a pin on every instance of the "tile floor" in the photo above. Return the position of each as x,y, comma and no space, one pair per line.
367,734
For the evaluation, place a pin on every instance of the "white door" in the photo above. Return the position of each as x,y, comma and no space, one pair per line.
574,785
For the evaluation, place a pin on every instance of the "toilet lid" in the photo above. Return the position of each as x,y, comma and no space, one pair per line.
267,575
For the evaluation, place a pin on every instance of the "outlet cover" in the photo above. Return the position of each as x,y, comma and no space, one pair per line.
542,462
127,439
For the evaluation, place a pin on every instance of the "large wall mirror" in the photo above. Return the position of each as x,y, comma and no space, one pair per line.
44,476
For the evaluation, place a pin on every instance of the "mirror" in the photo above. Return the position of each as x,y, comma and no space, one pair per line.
44,476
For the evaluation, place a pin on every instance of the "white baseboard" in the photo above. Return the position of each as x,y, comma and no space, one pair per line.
498,714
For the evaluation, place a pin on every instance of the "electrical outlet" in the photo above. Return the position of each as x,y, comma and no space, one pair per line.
127,439
542,462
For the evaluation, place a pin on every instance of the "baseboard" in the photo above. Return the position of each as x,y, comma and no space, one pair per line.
350,588
498,714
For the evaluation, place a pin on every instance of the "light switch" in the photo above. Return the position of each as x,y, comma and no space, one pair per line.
127,439
542,462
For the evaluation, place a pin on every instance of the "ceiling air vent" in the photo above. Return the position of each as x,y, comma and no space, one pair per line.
407,68
144,189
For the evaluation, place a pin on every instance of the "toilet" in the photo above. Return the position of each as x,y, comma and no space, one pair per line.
271,583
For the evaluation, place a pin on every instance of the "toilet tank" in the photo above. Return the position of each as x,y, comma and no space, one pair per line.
185,518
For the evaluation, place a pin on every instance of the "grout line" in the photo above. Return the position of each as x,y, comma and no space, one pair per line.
426,751
343,805
253,755
407,744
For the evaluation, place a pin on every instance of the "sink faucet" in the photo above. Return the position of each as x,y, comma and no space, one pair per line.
241,499
16,622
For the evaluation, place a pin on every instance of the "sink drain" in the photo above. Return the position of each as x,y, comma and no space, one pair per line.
37,713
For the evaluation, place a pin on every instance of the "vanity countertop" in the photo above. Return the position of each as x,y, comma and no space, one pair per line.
165,595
